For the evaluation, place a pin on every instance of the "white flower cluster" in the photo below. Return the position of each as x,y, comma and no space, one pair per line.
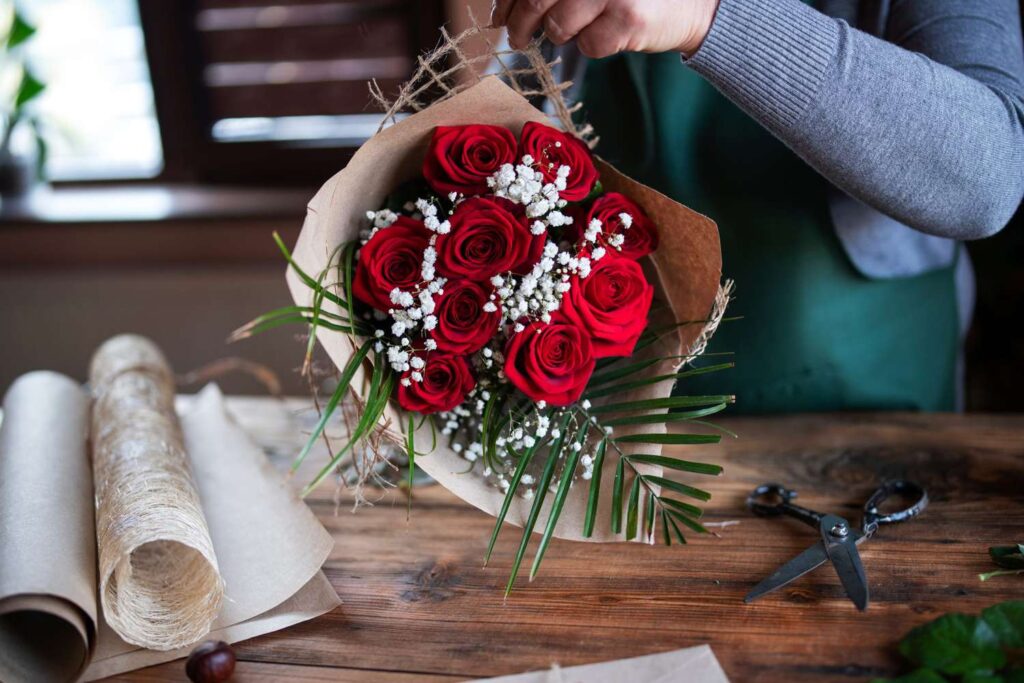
378,220
525,185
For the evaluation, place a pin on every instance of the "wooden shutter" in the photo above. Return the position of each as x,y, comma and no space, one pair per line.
275,91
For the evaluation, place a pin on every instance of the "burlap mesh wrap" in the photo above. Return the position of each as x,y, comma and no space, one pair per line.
159,583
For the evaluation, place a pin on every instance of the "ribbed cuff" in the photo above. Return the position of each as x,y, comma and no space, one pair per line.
768,56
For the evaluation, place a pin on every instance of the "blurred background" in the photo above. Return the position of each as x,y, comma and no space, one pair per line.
148,148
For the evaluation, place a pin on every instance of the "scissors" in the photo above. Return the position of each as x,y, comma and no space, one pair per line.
838,540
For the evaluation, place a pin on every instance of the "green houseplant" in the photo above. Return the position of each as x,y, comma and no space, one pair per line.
16,172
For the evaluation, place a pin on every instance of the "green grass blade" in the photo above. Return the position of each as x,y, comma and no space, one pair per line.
538,502
381,383
670,439
344,381
631,509
677,464
678,487
303,275
670,403
595,490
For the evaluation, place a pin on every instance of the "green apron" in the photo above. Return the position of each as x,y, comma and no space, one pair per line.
815,334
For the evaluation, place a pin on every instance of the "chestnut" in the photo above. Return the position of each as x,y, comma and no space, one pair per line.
210,662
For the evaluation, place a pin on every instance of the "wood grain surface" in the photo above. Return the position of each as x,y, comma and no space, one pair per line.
418,605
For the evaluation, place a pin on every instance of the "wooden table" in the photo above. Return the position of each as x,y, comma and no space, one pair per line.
419,606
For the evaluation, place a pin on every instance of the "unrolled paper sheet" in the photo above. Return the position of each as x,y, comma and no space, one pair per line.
269,545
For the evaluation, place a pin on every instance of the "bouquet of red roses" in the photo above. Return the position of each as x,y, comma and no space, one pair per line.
514,313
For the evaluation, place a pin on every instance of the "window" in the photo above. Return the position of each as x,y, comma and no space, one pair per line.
98,111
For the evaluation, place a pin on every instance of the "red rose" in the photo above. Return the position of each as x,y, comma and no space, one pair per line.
391,258
550,362
641,238
611,304
488,236
446,381
463,326
461,158
551,148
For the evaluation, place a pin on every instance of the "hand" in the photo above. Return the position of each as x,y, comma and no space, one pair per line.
605,27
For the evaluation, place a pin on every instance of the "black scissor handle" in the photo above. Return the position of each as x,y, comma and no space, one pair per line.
873,518
784,506
755,501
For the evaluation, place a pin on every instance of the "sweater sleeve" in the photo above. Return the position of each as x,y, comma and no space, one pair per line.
927,128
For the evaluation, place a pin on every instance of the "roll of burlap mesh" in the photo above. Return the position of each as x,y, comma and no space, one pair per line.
159,583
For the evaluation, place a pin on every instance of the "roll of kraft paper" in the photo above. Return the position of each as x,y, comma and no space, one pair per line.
159,584
47,533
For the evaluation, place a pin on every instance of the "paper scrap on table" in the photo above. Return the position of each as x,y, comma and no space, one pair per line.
693,665
269,545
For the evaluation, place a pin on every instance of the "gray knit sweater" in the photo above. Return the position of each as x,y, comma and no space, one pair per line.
920,127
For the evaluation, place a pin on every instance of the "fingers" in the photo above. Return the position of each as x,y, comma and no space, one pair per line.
602,38
525,19
499,12
566,19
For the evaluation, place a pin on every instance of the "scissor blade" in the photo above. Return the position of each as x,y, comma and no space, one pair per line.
846,559
807,561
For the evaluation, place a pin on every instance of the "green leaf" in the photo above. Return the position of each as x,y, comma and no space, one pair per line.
510,495
332,404
678,487
20,31
617,496
1008,556
595,490
981,677
649,516
670,439
679,517
663,418
666,537
692,510
558,503
675,530
676,464
631,509
919,676
662,403
30,88
1007,621
636,384
538,501
410,450
954,644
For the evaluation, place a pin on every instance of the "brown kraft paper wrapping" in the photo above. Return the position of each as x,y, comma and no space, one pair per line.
47,536
687,269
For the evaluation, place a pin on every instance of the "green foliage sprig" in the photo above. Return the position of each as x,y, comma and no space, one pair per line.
965,648
1009,557
15,111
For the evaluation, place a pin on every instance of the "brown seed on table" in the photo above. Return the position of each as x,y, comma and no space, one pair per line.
211,662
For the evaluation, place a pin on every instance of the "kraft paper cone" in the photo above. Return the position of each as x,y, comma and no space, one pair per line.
686,269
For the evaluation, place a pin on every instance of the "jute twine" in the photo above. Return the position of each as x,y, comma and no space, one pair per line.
159,583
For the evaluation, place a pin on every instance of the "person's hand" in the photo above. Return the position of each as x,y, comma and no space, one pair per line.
605,27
